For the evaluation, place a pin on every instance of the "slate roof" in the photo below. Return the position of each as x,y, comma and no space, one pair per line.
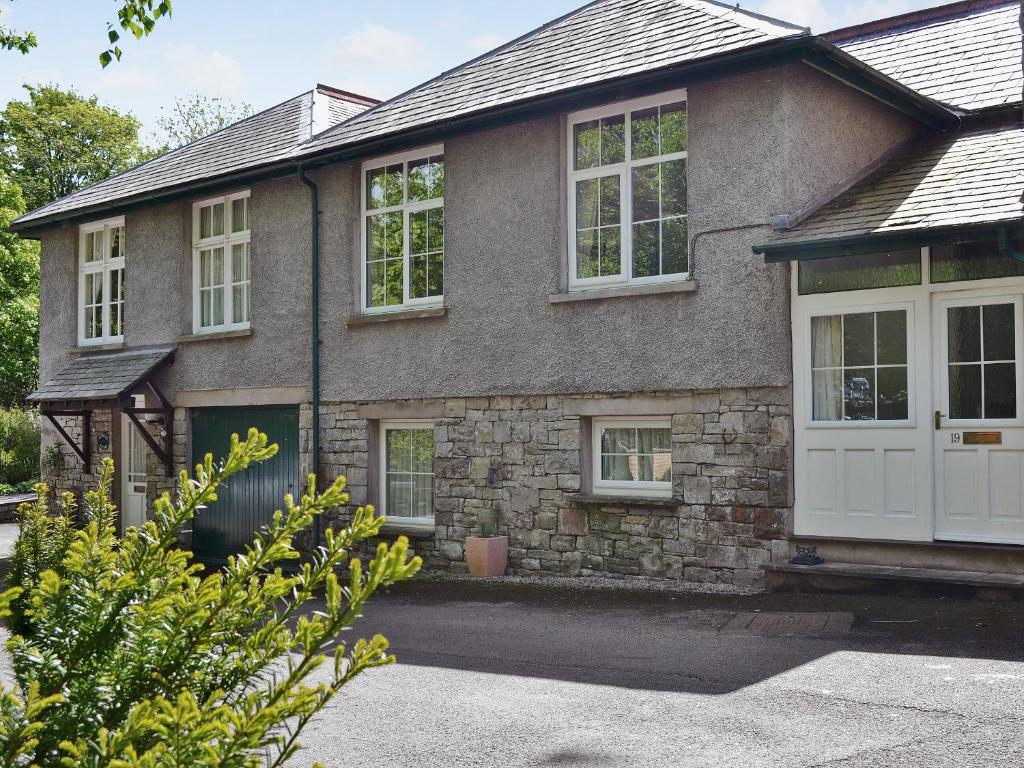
257,140
604,40
949,180
101,377
969,58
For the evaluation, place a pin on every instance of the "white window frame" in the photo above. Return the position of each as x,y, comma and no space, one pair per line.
624,170
405,209
104,266
648,488
382,468
808,369
225,241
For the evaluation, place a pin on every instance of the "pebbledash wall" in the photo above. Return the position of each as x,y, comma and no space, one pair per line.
730,467
510,376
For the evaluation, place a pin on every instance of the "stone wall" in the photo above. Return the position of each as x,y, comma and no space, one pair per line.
731,471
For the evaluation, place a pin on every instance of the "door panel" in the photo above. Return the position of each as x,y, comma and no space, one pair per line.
133,474
979,432
247,501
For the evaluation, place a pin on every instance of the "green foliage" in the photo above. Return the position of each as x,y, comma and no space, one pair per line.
19,304
136,16
23,487
130,656
59,141
196,116
19,446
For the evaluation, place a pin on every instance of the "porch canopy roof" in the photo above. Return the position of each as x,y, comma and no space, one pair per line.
100,381
935,190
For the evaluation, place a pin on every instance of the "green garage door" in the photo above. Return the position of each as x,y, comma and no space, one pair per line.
248,500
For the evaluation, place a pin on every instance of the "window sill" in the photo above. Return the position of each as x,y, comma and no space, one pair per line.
215,335
87,349
406,528
623,291
387,317
608,500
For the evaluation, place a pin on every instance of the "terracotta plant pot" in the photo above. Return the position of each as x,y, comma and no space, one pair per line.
487,557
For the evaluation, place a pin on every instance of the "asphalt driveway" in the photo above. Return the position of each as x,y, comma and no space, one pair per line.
500,676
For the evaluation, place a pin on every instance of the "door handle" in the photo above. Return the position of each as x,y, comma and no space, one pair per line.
938,420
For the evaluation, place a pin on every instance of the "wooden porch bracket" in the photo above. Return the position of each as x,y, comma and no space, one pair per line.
85,450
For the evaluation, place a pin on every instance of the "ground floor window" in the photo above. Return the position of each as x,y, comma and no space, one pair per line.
633,456
407,471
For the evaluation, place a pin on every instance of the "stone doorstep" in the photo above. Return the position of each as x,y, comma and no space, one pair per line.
976,579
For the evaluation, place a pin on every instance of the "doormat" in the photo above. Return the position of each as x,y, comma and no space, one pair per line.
790,624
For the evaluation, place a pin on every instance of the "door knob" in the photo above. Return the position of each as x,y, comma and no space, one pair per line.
938,420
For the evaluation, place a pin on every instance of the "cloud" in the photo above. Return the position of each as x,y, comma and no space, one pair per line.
485,42
820,17
377,60
212,73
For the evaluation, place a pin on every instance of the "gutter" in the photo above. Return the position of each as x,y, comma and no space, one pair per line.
314,216
810,50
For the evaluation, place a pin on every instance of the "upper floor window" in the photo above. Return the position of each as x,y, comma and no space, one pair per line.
220,263
101,282
627,193
403,231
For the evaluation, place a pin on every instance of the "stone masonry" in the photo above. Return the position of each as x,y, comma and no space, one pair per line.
731,470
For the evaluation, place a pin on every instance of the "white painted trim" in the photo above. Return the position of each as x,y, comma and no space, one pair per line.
405,209
225,241
623,171
104,267
382,468
653,489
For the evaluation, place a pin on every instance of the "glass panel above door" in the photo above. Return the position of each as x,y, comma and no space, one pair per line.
979,260
855,273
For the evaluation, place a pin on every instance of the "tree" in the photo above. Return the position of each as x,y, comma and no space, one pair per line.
19,303
129,656
196,116
136,16
58,142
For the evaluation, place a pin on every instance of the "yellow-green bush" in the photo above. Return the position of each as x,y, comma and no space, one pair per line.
19,446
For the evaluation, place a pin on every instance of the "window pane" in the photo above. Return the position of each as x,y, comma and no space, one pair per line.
999,332
426,179
859,394
613,139
646,202
827,394
240,262
611,251
645,133
587,251
674,246
587,143
91,251
851,273
423,450
1001,391
965,391
395,288
117,242
618,440
646,241
117,295
892,394
426,253
673,128
827,341
611,201
973,261
964,330
616,467
240,303
205,222
892,337
217,225
673,187
240,214
384,186
859,339
587,198
384,269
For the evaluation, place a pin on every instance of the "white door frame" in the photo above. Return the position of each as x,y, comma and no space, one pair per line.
133,492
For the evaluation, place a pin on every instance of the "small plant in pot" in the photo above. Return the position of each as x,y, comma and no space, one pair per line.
487,554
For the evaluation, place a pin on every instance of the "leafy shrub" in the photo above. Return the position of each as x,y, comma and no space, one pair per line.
19,446
129,656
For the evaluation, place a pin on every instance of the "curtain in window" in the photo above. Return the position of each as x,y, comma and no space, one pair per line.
826,365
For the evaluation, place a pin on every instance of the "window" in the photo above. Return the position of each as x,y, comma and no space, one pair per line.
981,359
973,260
627,193
859,368
407,471
632,457
403,231
855,273
220,263
101,252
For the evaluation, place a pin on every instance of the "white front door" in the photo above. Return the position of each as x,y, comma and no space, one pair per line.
979,427
133,474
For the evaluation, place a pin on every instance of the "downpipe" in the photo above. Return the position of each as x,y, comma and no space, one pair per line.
314,215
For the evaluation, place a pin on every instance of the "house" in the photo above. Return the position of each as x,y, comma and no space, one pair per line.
673,287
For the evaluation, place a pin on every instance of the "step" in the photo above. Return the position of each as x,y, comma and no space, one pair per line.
858,577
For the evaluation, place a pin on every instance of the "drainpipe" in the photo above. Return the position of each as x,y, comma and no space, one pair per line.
1005,249
314,215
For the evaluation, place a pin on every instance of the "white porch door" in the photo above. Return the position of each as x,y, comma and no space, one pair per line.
133,474
979,427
